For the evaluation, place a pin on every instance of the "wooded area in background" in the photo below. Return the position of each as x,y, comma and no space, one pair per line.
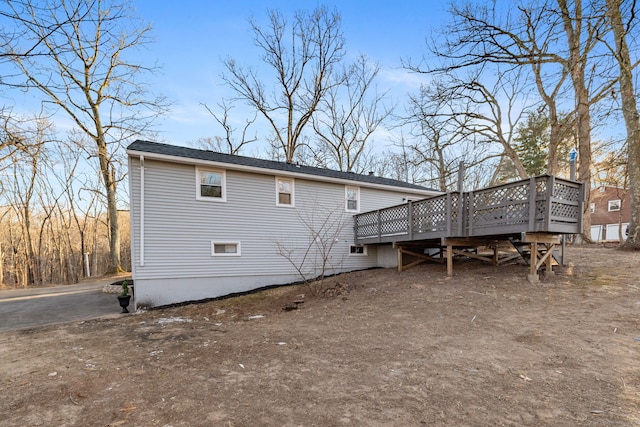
57,247
511,91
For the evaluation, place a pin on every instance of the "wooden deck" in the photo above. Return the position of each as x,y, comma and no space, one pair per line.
534,212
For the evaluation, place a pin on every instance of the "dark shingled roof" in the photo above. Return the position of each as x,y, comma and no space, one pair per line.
192,153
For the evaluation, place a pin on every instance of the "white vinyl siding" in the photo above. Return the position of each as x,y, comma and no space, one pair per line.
180,229
135,212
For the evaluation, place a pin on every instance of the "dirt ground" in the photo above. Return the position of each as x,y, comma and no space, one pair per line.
372,348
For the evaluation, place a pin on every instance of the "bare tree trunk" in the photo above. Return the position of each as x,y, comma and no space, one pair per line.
631,119
90,79
1,265
108,175
576,64
557,128
95,245
304,56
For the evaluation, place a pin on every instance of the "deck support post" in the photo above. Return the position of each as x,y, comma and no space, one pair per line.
449,260
416,256
533,261
549,261
549,241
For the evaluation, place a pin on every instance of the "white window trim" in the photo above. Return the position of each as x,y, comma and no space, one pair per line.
225,242
609,205
224,185
346,200
365,253
293,192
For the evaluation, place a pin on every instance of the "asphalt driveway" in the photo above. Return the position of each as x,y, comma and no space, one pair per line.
27,308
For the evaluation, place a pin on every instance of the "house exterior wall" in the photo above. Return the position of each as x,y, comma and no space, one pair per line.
172,232
605,223
387,256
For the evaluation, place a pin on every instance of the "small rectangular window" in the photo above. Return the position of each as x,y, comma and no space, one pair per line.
358,250
614,205
284,192
211,185
592,207
352,195
225,248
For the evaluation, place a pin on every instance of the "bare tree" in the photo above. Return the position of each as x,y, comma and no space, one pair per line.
313,259
629,110
4,213
489,112
575,63
80,196
349,114
544,35
443,134
10,140
79,55
303,56
229,143
399,164
27,166
25,172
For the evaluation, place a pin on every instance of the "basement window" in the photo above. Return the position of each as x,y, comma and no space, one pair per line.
358,250
225,248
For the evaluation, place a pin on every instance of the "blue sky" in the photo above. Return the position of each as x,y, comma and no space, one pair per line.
191,39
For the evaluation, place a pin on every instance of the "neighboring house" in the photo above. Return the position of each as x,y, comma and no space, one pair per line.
610,213
206,224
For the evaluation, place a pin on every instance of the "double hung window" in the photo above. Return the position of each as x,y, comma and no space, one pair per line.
352,199
211,185
284,192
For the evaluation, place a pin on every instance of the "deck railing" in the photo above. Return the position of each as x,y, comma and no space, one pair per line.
539,204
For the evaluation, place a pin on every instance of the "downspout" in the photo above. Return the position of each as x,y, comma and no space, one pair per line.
141,211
